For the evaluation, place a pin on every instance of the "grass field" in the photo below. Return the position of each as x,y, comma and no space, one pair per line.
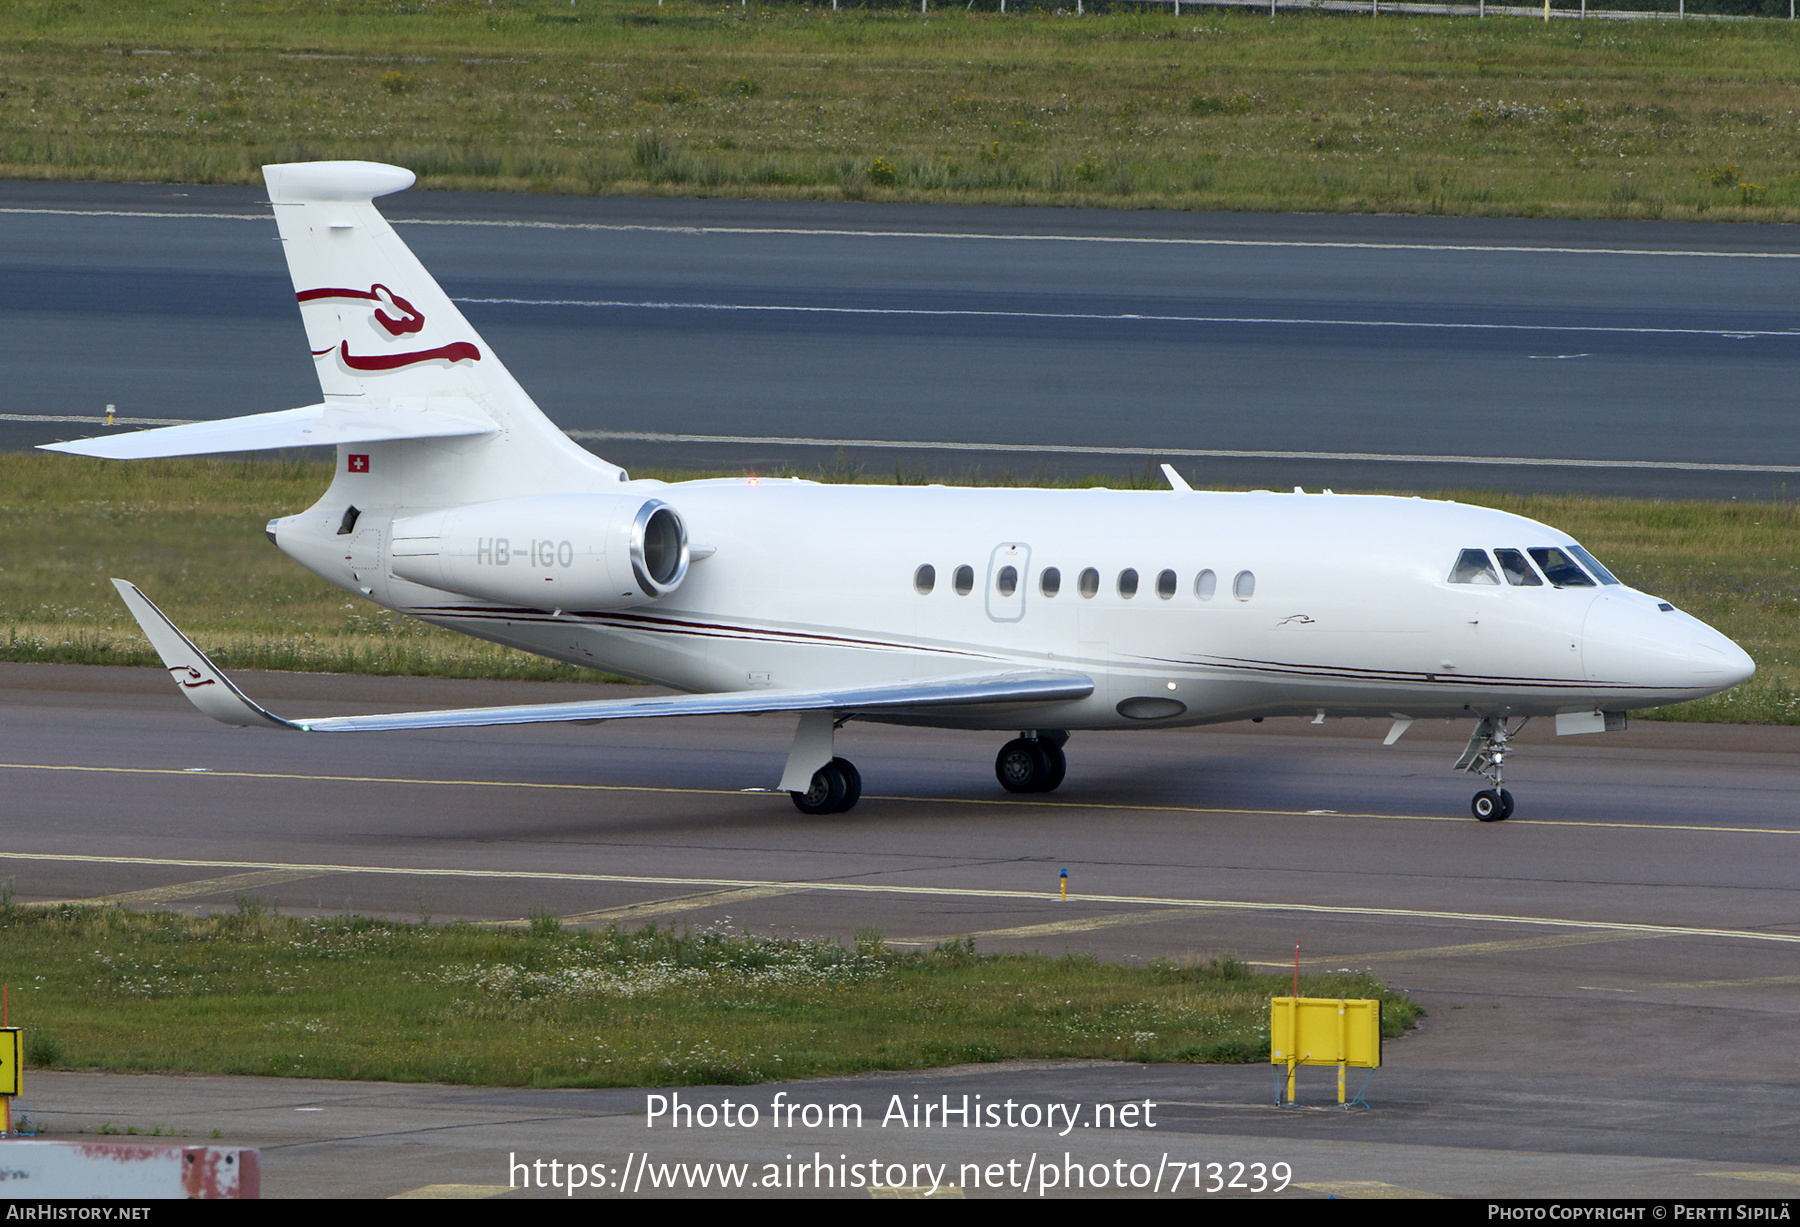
252,992
190,532
1216,109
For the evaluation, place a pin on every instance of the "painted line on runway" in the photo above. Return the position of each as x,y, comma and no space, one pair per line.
1132,317
194,890
668,907
1084,924
209,774
1135,240
939,892
1461,951
1207,453
89,419
958,235
640,436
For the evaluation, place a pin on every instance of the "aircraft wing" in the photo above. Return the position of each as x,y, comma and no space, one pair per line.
215,694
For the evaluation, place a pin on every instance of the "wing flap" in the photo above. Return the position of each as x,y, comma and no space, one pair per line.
213,693
322,425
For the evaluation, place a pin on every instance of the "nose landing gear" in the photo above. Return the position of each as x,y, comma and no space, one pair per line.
1032,762
1485,755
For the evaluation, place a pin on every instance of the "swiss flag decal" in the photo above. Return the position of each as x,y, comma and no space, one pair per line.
357,464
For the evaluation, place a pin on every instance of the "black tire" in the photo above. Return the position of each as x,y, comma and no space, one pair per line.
1022,766
852,785
1506,805
1059,765
826,793
1490,806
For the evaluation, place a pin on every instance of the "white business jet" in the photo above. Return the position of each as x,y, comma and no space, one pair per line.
458,502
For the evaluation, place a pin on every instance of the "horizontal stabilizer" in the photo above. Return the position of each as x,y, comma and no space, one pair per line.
323,425
213,693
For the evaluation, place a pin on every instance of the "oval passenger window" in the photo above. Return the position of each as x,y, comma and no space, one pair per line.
1244,586
1128,583
1007,582
1050,582
925,579
1089,583
965,580
1205,584
1165,584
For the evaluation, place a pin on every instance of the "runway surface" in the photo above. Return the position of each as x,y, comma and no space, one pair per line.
1358,352
1609,977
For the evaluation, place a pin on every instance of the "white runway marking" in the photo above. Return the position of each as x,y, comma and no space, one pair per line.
1135,318
860,888
1062,449
966,236
1070,449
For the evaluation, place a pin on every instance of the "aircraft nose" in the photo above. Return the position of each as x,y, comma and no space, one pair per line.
1632,640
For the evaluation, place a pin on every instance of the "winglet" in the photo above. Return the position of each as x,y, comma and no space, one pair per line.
200,680
1176,482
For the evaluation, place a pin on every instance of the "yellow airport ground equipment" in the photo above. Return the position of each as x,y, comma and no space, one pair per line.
12,1064
1324,1031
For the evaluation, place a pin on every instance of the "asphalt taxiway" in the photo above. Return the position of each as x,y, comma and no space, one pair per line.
1609,977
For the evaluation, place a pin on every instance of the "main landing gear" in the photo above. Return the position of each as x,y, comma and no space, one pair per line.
1485,755
836,787
1032,762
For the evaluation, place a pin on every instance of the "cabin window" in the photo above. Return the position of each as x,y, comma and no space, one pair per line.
1165,584
1050,582
1592,564
965,580
1128,583
1205,584
1007,581
1560,569
1518,572
1474,567
925,579
1244,586
1089,583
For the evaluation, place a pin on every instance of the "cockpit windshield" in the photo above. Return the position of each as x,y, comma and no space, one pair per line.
1592,564
1560,569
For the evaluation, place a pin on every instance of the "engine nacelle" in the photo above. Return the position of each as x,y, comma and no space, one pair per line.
553,551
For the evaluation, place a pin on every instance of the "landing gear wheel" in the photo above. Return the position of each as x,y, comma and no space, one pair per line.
1492,805
826,796
1023,766
1059,765
852,785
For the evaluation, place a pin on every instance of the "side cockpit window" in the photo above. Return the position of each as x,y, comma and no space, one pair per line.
1473,567
1560,569
1518,572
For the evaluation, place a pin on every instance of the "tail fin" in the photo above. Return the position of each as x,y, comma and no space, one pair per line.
384,335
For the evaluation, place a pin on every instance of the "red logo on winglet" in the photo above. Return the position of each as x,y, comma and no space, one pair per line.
357,464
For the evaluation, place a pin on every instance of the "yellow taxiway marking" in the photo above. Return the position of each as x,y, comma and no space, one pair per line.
923,1192
451,1192
1769,1177
679,903
1081,925
205,886
1358,1189
196,773
1752,982
941,892
1447,952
